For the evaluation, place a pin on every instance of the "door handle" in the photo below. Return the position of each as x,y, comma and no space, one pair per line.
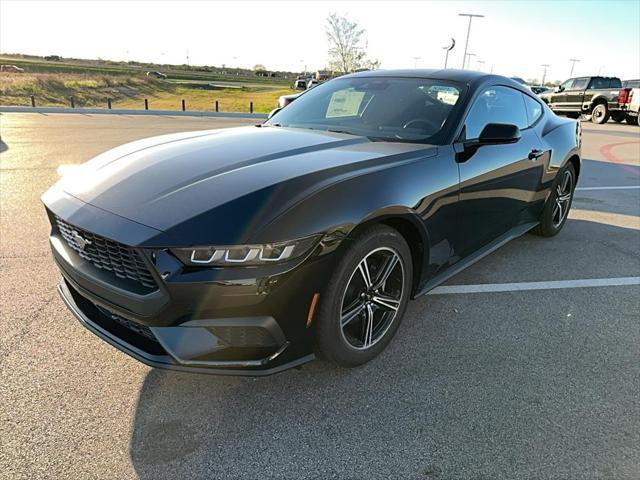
535,154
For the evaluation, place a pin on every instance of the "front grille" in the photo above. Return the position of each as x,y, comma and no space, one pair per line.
130,324
123,261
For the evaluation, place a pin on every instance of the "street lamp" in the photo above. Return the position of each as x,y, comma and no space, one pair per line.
480,65
415,61
466,45
448,48
544,73
573,64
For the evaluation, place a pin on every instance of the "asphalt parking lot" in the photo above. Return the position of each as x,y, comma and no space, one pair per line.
510,376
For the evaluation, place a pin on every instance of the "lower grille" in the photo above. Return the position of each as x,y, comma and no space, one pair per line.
121,260
244,336
130,324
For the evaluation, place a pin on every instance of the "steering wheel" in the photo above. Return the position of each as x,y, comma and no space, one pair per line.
431,124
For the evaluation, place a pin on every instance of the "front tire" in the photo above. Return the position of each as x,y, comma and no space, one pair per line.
600,114
366,298
556,210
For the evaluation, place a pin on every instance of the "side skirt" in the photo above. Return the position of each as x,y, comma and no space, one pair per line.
475,256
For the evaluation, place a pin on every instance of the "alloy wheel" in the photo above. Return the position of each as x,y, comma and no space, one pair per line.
372,298
564,190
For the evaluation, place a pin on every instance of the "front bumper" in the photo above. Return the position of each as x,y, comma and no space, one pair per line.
232,321
261,367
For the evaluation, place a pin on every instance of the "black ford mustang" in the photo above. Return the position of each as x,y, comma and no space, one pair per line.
249,250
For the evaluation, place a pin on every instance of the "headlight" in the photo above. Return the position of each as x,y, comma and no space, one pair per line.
245,255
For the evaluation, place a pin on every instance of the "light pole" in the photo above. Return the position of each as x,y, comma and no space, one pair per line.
466,45
448,48
544,73
480,65
415,61
468,55
573,64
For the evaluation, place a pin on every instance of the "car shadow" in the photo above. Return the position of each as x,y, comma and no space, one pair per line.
464,388
3,146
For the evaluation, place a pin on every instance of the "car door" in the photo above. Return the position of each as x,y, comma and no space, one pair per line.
497,182
575,94
558,98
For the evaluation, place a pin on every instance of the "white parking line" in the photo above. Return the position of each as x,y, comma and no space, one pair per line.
521,286
629,187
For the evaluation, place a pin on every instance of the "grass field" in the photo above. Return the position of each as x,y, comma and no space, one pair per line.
105,67
126,91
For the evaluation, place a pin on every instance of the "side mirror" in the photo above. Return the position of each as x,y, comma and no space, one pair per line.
559,89
498,133
273,112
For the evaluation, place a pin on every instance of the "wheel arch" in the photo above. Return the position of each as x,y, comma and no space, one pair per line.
412,230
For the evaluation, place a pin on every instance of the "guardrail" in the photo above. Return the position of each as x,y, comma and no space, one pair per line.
72,104
123,111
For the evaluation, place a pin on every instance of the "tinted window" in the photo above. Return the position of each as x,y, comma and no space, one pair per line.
580,84
394,109
534,109
495,105
615,83
599,83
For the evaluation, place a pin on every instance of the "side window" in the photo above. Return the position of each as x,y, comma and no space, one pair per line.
566,85
534,110
580,84
614,83
597,83
495,105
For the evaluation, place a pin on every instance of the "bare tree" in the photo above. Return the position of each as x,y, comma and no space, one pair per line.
346,50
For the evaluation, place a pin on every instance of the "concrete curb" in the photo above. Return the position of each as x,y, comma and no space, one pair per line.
104,111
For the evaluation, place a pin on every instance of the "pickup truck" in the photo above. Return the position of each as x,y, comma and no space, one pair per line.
594,96
629,100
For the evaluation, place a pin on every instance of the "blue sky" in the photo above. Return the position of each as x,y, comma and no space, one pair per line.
514,38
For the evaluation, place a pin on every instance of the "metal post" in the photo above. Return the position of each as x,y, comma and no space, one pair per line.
109,103
217,106
183,107
573,64
544,73
446,59
250,107
146,104
466,45
33,101
71,101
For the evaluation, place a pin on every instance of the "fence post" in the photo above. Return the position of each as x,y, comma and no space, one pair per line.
109,103
183,109
146,104
72,102
250,107
217,106
33,101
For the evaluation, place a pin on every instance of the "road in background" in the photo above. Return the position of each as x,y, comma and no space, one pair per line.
512,384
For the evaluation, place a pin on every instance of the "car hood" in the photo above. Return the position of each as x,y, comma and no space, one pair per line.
225,183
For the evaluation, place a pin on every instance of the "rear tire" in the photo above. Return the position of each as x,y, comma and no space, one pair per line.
357,319
556,210
600,113
632,120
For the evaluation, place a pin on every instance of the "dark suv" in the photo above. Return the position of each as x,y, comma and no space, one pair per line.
595,96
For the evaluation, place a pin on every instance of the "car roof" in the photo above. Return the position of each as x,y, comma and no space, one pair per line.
469,77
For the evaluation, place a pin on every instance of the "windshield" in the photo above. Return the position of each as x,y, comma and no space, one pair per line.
384,108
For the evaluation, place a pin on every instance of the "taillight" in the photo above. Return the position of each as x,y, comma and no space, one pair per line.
624,96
